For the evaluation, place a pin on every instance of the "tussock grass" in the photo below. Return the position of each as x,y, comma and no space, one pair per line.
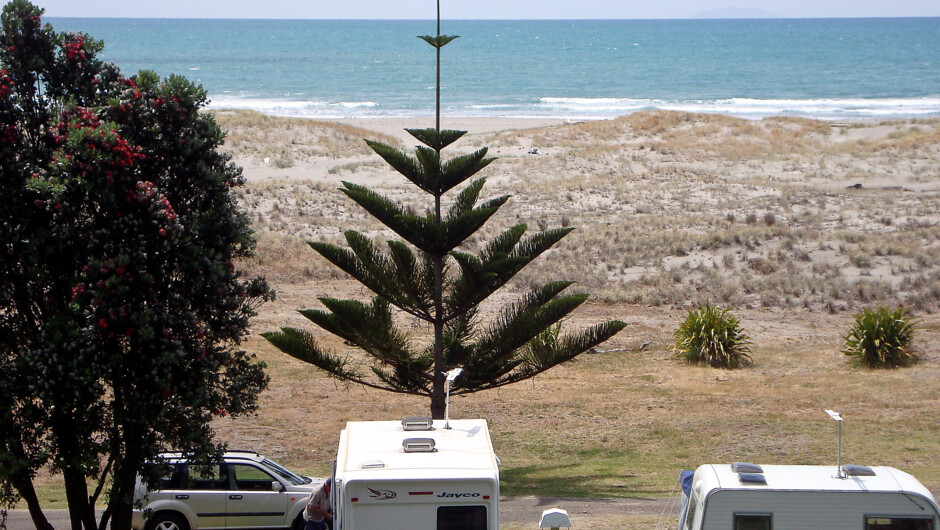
713,336
881,338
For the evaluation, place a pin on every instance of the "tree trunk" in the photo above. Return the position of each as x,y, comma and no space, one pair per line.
81,513
121,504
28,493
126,466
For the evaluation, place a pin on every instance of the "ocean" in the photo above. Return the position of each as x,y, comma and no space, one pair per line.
835,69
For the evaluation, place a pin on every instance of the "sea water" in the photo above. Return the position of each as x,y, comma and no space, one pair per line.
837,69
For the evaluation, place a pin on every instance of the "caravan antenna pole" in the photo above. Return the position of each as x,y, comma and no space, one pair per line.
838,417
451,375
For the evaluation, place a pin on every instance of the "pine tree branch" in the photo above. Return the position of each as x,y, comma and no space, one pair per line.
382,277
569,348
369,327
435,139
301,345
459,169
498,263
439,41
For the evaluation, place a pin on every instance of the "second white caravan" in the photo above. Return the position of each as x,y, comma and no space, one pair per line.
745,496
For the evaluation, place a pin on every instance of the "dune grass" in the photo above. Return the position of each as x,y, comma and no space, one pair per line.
674,209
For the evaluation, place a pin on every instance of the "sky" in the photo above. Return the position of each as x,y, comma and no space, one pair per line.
488,9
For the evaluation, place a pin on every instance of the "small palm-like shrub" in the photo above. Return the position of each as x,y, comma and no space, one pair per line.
881,338
714,337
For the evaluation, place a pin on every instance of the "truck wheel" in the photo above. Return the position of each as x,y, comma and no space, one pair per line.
168,521
298,523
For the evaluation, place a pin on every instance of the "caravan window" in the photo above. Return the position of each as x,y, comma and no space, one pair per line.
461,518
753,521
898,523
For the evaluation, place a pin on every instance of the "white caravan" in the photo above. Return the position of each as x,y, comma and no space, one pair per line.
416,475
745,496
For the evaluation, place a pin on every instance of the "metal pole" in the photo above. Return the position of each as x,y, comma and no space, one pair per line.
437,114
451,375
839,455
838,417
447,406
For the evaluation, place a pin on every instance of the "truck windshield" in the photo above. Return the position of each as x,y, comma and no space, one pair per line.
288,475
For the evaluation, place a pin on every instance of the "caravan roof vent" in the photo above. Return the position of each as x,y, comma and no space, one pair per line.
744,467
418,445
417,423
752,478
371,464
858,471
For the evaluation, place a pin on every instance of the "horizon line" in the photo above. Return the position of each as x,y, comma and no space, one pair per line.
492,19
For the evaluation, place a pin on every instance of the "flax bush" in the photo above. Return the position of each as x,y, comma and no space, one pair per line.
881,338
714,337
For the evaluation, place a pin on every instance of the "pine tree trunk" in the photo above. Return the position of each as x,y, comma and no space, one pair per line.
438,396
437,389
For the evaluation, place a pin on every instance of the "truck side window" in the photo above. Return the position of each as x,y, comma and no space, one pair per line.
461,518
753,521
211,478
250,478
898,523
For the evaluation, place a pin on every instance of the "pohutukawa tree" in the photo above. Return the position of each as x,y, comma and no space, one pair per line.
433,276
121,309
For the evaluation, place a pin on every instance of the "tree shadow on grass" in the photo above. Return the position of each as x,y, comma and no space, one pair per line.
569,480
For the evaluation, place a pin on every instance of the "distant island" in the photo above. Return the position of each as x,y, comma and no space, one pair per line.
735,12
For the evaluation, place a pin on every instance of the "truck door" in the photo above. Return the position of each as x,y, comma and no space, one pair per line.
252,501
205,494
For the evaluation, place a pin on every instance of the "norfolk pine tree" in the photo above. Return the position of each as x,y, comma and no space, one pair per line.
442,284
121,309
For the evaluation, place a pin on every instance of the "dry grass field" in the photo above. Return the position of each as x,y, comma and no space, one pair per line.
793,224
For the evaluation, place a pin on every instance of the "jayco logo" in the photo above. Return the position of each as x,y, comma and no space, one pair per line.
458,495
382,495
